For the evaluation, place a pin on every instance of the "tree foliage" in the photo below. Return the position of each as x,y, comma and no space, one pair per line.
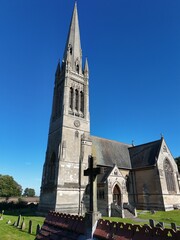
9,187
29,192
178,163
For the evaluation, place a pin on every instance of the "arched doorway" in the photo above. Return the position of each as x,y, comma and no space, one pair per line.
117,195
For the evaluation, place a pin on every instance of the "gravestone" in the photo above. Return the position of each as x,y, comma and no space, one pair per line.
174,227
23,224
38,229
30,227
92,215
152,223
19,221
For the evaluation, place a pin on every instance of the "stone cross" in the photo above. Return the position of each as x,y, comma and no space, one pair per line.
92,172
92,215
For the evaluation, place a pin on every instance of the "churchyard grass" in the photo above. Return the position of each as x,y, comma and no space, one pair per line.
9,232
161,216
144,216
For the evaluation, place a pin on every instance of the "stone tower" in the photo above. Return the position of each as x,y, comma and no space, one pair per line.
68,147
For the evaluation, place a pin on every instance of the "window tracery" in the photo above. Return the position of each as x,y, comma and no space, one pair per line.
169,176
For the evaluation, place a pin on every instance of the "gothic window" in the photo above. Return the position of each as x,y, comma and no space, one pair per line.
70,49
82,102
76,99
71,98
51,170
77,68
169,176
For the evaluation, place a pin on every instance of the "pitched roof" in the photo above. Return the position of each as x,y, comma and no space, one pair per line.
108,152
145,155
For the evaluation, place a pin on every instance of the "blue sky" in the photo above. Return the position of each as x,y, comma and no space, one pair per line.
133,49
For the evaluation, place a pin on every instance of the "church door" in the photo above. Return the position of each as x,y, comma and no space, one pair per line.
117,195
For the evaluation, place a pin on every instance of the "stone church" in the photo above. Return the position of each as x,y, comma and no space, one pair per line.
142,177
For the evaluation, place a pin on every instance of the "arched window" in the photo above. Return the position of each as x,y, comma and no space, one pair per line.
76,100
77,68
169,175
51,170
82,102
71,98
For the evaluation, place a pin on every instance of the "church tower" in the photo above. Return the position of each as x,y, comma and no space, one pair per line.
68,147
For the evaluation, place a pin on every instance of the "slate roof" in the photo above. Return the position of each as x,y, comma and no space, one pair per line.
109,153
145,155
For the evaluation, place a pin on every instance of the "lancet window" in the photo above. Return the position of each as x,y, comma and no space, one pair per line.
82,102
76,102
71,98
169,176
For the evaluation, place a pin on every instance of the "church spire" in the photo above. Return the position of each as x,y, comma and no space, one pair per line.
73,53
86,69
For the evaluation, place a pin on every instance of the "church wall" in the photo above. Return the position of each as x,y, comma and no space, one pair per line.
148,190
170,199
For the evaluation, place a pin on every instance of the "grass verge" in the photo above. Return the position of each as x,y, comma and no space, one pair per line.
9,232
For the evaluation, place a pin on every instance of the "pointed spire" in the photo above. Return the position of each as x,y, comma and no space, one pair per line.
86,69
72,52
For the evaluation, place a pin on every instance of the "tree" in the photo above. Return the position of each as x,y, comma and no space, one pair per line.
178,163
9,187
29,192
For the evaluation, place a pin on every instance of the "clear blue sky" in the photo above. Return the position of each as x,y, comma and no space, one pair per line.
133,48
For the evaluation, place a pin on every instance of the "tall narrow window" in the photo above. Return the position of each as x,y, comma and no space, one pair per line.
77,68
82,102
169,175
71,98
76,100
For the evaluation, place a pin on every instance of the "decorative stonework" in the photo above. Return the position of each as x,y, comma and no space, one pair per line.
77,123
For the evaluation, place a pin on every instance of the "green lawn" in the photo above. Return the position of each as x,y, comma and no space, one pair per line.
9,232
143,218
161,216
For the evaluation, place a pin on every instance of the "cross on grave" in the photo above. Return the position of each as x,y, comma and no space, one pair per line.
92,215
92,172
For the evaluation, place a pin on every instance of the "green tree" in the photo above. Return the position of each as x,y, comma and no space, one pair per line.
29,192
9,187
178,163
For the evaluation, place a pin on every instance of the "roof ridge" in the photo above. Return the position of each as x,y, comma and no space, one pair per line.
160,140
110,140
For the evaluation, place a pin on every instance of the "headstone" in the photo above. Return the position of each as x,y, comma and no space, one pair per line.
38,229
30,227
15,224
151,223
23,224
174,227
19,221
92,215
160,225
1,217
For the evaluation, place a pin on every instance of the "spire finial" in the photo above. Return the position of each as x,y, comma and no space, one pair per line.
73,43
